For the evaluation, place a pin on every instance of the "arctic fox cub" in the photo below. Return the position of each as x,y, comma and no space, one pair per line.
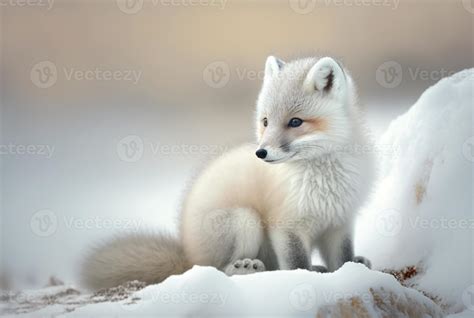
266,207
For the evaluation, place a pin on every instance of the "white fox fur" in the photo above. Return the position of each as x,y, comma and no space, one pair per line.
244,214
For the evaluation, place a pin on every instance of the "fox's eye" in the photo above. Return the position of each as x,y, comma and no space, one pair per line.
265,122
295,122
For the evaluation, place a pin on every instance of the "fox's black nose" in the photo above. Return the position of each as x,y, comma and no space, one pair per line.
261,153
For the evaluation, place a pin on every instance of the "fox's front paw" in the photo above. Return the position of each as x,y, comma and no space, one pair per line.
245,266
319,269
362,260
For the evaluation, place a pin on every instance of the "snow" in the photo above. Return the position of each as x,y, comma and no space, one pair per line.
421,212
419,217
207,292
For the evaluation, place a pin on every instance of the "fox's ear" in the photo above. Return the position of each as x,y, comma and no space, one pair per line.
326,76
273,66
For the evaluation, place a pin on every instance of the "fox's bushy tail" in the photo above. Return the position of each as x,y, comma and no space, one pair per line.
147,257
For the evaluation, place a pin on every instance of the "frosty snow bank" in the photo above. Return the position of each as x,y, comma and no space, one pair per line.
417,229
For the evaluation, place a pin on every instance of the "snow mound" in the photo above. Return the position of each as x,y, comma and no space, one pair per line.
207,292
421,213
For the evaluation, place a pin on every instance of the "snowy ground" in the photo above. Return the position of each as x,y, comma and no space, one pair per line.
204,291
417,227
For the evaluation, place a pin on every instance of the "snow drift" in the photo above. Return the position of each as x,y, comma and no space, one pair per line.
207,292
421,212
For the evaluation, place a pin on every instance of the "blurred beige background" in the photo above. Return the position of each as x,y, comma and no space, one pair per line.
131,97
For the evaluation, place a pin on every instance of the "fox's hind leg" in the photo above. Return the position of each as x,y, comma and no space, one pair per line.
225,238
